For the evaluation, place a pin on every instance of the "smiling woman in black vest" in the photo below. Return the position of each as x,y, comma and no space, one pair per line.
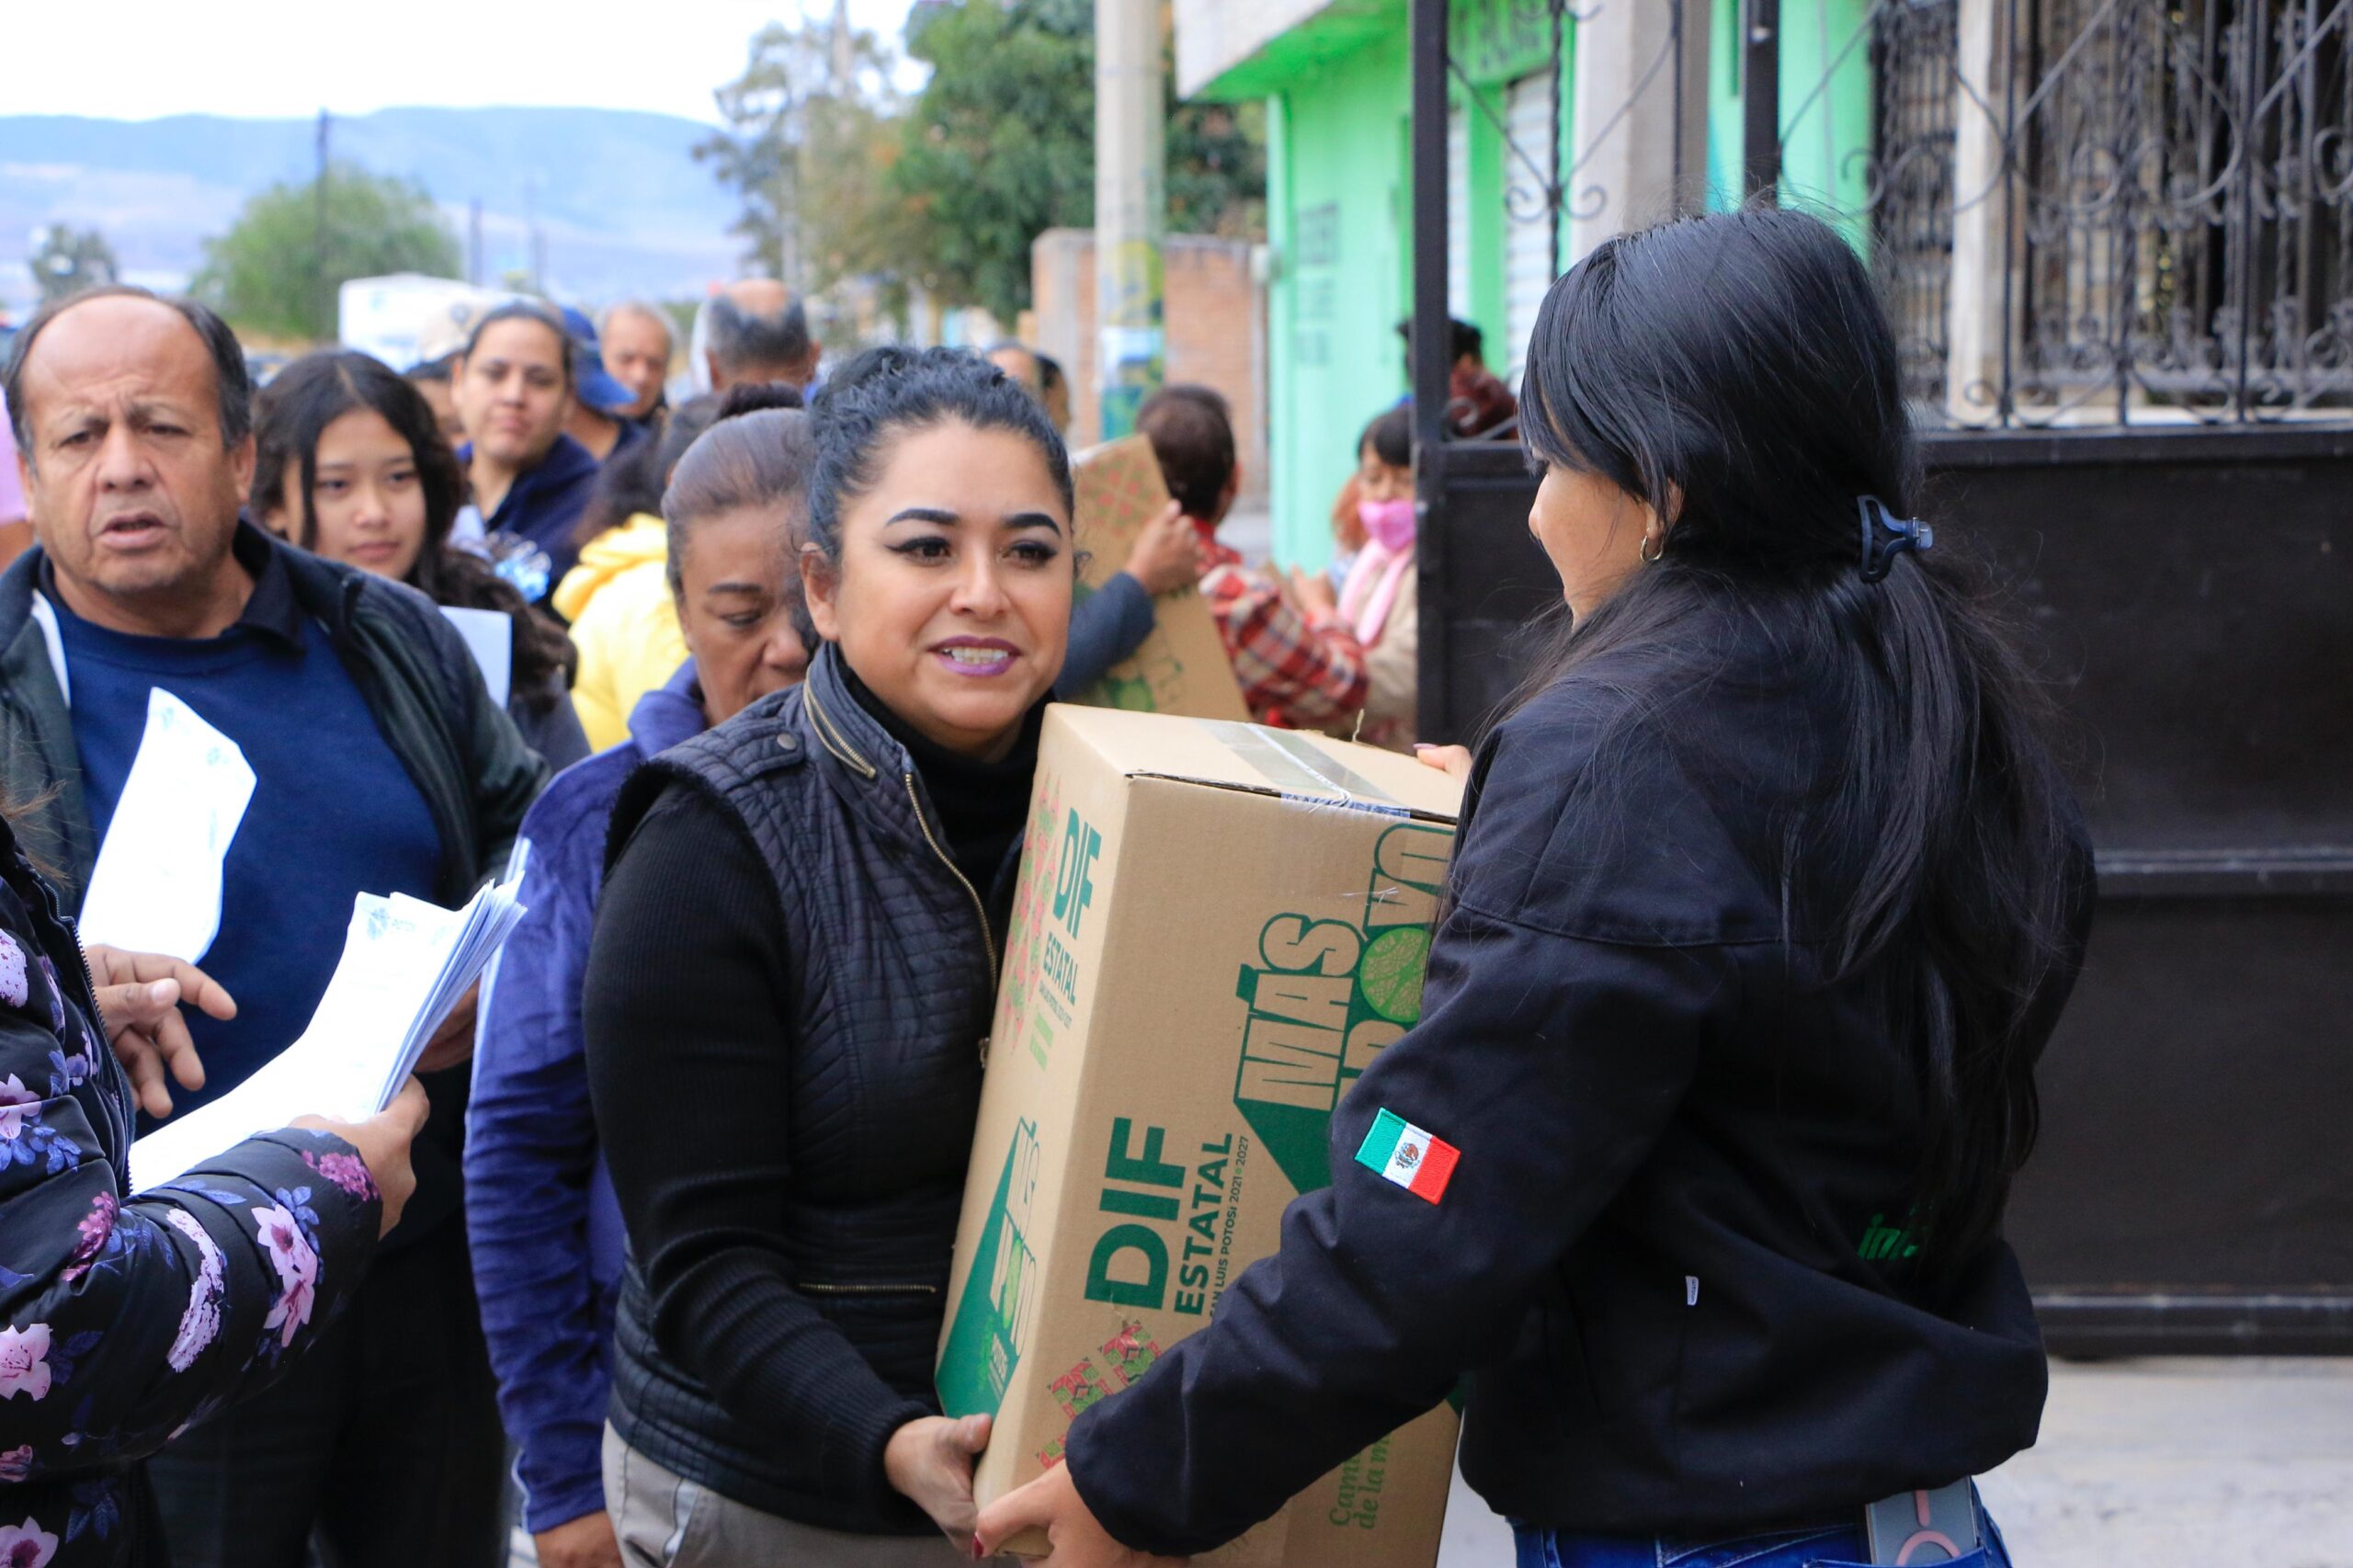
791,980
1765,903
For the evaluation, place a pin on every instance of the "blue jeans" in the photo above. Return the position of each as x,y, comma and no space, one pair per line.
1828,1546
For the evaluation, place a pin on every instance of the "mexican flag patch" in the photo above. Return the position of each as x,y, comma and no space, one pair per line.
1398,1150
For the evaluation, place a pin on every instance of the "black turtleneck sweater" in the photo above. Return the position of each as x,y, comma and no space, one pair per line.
694,897
980,807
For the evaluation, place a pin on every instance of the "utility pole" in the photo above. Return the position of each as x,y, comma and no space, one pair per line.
1760,102
1130,208
536,258
319,232
474,243
843,64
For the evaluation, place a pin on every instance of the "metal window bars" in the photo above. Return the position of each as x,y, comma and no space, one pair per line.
2083,213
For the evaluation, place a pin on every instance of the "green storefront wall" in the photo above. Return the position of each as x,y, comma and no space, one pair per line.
1825,102
1338,194
1339,210
1339,199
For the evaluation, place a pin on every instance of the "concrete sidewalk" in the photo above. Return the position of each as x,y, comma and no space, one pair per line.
2174,1464
2184,1463
2196,1462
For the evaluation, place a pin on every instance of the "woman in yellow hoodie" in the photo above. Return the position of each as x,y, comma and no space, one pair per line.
617,597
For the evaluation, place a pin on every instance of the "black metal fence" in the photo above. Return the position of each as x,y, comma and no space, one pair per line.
2119,211
2082,212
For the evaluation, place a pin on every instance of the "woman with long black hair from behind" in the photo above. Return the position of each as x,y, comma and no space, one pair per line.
1765,903
794,966
350,464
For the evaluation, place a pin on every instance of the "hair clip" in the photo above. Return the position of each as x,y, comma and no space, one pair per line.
1887,536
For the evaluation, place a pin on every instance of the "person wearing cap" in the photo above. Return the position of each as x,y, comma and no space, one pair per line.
439,342
530,481
599,416
431,378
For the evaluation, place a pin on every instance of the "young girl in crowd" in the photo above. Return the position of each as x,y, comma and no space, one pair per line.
545,1230
1765,903
351,465
1377,597
793,970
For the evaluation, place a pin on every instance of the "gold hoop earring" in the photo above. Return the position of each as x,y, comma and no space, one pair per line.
1649,555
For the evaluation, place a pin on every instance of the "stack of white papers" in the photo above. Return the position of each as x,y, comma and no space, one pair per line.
405,964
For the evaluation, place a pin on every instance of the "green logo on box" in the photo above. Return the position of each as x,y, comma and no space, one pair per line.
1326,995
1000,1298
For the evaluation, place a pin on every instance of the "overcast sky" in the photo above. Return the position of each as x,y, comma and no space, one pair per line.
270,59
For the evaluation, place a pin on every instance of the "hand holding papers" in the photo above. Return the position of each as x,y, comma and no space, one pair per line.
405,963
156,888
383,1141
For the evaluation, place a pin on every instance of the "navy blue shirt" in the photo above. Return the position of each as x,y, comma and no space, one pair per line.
544,502
333,813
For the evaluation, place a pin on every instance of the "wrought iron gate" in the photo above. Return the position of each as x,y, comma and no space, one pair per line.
2145,207
2116,237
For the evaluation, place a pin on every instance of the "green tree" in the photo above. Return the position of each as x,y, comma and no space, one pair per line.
1217,169
70,260
800,124
271,274
1000,146
860,225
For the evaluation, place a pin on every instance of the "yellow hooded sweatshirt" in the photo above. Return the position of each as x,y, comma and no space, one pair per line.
623,622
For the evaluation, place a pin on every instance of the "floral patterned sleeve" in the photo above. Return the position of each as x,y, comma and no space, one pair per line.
124,1320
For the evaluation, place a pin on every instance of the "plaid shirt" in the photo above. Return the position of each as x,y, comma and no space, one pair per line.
1305,672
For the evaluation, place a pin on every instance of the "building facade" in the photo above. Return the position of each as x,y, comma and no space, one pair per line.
1546,152
1216,312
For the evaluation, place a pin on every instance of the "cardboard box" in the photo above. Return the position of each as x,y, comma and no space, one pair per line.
1217,927
1181,667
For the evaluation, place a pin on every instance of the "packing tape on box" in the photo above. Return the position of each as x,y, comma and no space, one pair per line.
1302,773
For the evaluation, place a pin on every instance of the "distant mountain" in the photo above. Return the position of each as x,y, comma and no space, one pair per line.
622,206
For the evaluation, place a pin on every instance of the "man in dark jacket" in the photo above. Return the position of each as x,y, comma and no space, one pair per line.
382,765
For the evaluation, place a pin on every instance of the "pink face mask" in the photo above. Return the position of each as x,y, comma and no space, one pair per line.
1390,523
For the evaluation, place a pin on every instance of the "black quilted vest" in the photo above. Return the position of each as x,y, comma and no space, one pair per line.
893,981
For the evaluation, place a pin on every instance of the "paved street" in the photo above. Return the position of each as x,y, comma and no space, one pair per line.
2188,1464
